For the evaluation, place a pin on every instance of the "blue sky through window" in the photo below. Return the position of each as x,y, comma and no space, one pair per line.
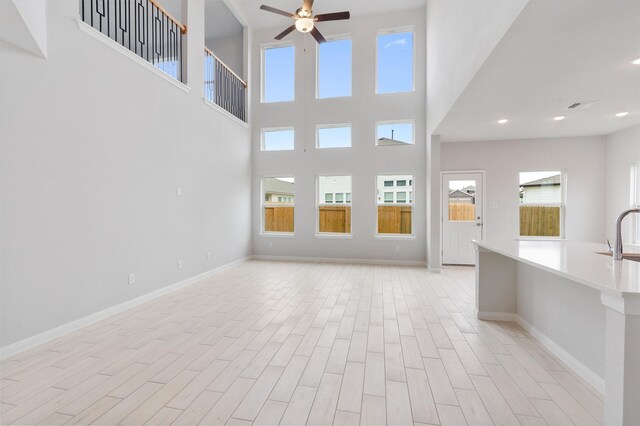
334,137
334,68
279,74
401,131
278,140
395,62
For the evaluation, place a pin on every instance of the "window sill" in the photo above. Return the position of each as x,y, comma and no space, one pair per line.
330,236
278,234
394,237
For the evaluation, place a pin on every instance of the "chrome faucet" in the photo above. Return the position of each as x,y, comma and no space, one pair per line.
617,252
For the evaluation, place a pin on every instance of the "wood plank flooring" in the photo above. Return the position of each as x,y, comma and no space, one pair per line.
269,343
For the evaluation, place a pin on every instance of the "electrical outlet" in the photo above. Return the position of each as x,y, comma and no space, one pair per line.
270,243
209,256
179,264
132,279
178,191
397,248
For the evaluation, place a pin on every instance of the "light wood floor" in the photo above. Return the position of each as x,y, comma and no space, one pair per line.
294,343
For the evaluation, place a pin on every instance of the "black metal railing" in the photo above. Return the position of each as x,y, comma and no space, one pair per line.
223,87
142,26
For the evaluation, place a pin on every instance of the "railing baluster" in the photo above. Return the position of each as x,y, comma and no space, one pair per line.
142,26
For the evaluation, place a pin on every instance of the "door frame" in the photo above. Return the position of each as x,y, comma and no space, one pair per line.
441,203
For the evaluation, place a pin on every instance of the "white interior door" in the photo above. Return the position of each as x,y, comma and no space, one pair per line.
461,217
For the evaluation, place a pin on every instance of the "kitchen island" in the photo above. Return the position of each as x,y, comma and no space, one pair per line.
581,305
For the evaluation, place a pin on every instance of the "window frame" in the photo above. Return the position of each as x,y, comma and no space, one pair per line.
337,37
562,204
276,129
318,204
412,235
263,204
275,45
396,30
405,121
334,126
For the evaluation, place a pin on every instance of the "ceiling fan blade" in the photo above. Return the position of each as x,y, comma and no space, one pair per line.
336,16
285,33
307,5
278,11
316,34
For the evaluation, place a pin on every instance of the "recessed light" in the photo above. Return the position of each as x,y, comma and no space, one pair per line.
559,118
502,121
622,114
636,61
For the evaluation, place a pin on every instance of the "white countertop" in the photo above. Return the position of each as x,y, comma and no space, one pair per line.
576,261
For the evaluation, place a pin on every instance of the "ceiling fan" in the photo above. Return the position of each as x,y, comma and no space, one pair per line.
305,20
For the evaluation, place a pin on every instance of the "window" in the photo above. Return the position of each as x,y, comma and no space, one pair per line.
395,62
401,183
388,183
278,73
328,198
541,204
277,139
348,197
278,207
338,136
334,68
334,218
394,210
462,200
396,133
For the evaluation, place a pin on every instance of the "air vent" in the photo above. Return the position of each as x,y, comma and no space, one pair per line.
582,105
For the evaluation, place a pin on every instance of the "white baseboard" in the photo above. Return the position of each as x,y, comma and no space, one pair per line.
49,335
578,367
495,316
341,260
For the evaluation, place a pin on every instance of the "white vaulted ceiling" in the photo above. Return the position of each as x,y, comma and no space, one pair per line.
555,53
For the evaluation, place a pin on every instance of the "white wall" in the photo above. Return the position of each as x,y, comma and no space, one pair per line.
460,36
230,50
581,157
93,146
623,150
362,161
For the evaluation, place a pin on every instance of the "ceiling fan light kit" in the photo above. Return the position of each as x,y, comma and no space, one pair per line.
305,21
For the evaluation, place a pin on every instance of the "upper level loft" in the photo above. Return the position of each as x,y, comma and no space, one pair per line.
159,34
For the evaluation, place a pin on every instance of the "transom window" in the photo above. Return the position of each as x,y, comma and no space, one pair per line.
334,136
395,62
394,133
278,139
334,68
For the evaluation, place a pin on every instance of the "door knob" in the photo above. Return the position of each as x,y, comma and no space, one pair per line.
478,224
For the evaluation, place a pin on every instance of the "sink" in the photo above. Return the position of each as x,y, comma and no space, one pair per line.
628,256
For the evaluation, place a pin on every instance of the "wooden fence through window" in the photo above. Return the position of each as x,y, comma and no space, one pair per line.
278,218
394,219
462,212
540,221
335,219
